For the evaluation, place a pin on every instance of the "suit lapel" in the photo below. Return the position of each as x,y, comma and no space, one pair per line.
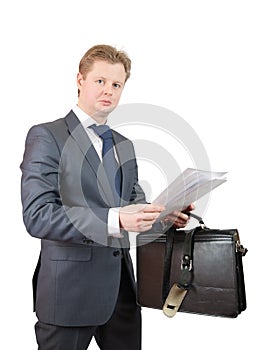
124,157
80,136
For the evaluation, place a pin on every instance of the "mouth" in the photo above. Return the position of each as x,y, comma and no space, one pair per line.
105,102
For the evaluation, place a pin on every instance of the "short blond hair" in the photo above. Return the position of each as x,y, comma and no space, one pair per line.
104,53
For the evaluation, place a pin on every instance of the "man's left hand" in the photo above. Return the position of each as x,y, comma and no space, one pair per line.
180,218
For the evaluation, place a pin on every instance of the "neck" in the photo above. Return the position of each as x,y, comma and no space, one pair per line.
99,116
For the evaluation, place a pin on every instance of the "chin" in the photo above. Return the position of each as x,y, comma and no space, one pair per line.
102,113
107,110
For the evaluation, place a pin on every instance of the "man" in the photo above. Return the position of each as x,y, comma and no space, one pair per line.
84,282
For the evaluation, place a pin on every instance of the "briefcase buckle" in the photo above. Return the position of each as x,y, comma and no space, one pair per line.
187,263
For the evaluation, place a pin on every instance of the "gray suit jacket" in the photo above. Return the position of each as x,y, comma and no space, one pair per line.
66,198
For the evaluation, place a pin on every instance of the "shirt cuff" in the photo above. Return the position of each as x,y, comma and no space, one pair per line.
113,223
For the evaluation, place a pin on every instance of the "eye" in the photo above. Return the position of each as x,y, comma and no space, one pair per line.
116,85
100,81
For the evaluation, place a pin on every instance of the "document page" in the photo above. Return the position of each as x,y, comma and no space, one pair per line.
189,186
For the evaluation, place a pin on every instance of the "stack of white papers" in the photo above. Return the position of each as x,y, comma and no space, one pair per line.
187,188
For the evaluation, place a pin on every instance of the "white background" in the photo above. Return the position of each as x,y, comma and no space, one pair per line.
208,61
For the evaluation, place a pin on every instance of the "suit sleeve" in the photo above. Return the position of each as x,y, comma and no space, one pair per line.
44,214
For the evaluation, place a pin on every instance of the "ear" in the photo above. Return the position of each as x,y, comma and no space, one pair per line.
79,80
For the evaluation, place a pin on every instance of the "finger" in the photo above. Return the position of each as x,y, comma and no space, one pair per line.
184,217
178,215
145,228
177,225
149,208
180,222
147,218
171,217
189,208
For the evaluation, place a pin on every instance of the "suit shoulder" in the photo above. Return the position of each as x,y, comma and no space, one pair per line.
49,126
56,129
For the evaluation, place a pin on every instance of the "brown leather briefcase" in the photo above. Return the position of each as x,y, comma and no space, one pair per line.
198,271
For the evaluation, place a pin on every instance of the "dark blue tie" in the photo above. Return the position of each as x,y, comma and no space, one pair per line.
109,161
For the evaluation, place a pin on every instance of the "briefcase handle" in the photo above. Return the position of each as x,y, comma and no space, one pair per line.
200,220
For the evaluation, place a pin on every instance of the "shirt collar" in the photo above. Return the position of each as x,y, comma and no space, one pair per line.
83,117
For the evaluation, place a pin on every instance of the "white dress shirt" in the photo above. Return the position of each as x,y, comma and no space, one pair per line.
86,121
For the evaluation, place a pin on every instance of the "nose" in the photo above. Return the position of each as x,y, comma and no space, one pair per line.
108,90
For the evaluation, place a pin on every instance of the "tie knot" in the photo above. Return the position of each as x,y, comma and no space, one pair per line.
103,131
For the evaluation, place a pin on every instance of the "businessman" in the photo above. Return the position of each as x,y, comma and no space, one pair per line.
80,196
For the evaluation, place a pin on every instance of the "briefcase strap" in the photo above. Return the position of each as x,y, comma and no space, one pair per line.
179,290
167,261
174,300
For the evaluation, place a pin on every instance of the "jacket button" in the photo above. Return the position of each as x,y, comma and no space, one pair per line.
88,241
116,253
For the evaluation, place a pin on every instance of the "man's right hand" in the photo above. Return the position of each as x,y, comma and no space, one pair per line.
139,217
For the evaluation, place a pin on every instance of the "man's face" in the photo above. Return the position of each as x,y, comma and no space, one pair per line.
101,89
